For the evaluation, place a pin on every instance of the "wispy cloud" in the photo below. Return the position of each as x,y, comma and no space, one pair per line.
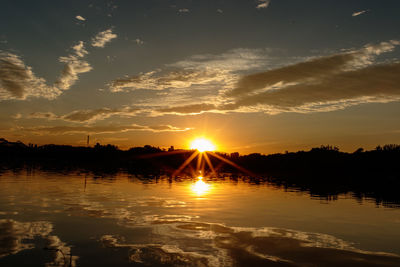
371,84
319,84
74,66
102,38
313,69
183,10
139,41
88,115
195,77
98,129
156,80
18,236
18,81
234,82
14,233
189,109
80,49
80,18
44,115
358,13
198,79
17,116
263,4
239,59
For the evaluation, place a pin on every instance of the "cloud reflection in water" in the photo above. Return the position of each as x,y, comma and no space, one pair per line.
208,244
172,224
17,236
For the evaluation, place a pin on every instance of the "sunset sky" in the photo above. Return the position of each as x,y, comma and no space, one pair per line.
251,75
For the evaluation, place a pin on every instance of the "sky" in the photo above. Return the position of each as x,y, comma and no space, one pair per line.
264,76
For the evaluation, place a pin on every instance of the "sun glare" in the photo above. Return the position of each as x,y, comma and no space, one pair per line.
202,145
200,188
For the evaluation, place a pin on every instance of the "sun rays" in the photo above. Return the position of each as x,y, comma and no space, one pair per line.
199,161
203,151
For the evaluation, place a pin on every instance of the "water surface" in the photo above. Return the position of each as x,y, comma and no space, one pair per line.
53,219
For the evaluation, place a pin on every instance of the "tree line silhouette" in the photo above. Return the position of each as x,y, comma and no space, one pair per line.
322,171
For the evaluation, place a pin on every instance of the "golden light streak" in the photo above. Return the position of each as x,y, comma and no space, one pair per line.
210,164
185,163
199,161
231,163
203,148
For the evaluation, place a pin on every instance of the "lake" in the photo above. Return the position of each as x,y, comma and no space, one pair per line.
78,219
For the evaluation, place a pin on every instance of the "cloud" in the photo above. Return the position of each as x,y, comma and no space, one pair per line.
74,66
314,69
319,84
197,78
228,246
102,38
17,236
355,14
189,109
56,245
98,129
80,18
156,80
98,114
43,115
87,115
13,233
80,49
139,41
17,116
293,73
245,80
377,49
183,10
263,4
240,59
17,81
371,84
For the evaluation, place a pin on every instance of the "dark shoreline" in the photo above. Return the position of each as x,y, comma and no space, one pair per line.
324,171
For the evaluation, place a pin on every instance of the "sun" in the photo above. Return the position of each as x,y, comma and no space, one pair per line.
202,145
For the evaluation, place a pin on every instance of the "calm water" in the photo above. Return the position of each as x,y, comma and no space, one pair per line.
129,221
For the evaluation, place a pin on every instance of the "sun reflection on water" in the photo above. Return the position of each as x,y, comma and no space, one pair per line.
200,188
